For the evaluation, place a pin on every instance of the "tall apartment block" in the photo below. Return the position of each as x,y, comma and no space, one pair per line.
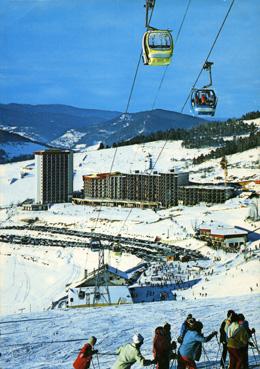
154,187
54,175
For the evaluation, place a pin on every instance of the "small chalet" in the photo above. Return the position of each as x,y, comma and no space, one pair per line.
221,236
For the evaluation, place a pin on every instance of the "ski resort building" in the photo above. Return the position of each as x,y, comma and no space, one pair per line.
229,238
154,189
82,293
210,194
54,176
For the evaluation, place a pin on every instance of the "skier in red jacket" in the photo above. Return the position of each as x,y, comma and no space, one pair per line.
161,349
85,355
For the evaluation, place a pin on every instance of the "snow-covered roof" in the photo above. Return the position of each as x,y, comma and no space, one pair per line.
228,232
118,272
214,225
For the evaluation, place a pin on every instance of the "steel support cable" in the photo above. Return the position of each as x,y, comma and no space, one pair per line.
210,51
130,94
154,102
125,114
162,79
166,68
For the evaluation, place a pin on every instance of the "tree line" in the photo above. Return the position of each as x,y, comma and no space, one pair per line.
204,135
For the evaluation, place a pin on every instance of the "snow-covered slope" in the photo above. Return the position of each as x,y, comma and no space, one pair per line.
68,139
52,340
131,158
31,278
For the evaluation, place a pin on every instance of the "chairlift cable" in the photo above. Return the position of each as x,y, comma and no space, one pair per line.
162,149
130,94
210,51
125,114
166,68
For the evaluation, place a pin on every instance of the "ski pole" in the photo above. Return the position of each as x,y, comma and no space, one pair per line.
254,354
107,353
255,343
98,361
218,348
205,353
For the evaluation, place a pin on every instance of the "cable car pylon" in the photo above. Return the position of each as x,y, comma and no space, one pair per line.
101,290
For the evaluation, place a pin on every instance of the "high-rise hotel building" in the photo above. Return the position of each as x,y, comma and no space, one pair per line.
54,176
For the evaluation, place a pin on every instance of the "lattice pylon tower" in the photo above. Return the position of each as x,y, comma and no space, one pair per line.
101,290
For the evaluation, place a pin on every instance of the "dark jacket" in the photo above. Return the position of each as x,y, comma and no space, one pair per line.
161,350
223,336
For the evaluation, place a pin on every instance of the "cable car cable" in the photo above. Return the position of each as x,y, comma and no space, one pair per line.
126,111
130,94
222,25
177,37
211,49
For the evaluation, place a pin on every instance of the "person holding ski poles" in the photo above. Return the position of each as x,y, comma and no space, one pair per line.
85,355
130,354
237,340
161,348
189,321
191,347
223,337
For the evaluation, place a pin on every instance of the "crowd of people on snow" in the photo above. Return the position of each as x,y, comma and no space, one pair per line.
235,337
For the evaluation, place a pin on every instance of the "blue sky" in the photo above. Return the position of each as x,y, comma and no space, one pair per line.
84,53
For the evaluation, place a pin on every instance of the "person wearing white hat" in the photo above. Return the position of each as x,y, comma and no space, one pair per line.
130,354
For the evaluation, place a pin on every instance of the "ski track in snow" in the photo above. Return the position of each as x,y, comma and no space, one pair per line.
113,327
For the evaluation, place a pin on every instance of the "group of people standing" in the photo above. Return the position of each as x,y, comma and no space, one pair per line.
234,337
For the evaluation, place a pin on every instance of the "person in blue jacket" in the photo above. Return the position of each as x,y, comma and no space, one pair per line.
189,321
190,349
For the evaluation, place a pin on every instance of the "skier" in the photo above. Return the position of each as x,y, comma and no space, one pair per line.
223,337
130,354
167,331
237,340
85,355
161,349
191,347
245,324
185,326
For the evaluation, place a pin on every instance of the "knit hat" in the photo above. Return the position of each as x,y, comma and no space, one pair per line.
198,326
138,338
92,340
191,322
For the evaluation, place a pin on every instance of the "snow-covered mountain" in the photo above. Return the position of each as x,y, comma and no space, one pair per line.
65,125
129,125
16,147
49,122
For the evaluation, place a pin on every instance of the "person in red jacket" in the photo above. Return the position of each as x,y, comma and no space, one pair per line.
161,349
85,355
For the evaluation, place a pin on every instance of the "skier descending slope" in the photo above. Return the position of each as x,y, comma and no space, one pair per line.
191,347
85,355
130,354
